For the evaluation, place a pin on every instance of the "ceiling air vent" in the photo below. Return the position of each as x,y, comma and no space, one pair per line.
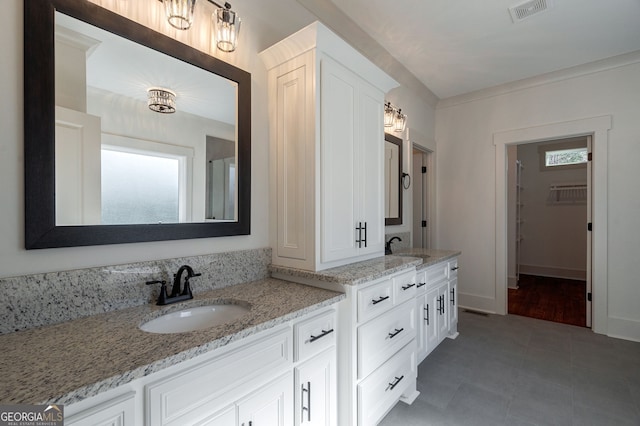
528,9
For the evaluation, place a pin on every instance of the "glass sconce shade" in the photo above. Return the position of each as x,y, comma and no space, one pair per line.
389,115
227,26
400,121
179,13
161,100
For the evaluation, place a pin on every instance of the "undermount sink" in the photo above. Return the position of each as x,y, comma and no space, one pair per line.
195,318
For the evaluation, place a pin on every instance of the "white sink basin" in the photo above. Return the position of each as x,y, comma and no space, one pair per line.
197,318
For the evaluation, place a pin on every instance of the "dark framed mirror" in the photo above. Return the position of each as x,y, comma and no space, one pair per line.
392,180
87,75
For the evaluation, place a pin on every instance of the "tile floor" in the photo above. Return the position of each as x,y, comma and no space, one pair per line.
512,370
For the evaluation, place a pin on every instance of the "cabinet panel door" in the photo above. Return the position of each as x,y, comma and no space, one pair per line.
295,141
430,319
338,136
421,327
315,390
443,311
119,411
271,405
453,301
226,417
370,161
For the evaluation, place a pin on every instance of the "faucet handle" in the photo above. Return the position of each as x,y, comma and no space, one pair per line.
162,297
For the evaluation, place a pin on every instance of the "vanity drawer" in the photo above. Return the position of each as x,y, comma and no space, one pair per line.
380,391
380,338
436,273
453,268
313,335
374,300
191,395
404,287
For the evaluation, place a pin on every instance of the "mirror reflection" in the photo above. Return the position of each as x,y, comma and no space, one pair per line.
119,162
392,180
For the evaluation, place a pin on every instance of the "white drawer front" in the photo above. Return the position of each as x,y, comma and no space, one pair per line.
404,287
374,300
380,391
380,338
314,335
421,282
189,396
437,273
118,411
453,268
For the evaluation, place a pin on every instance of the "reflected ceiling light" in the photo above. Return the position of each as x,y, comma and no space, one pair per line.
161,100
393,117
225,21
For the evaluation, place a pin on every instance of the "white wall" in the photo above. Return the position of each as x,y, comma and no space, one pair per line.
465,129
263,24
555,235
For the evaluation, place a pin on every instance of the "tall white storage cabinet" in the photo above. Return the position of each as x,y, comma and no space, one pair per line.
326,105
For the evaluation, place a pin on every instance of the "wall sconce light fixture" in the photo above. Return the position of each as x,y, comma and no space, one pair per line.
161,100
225,21
393,117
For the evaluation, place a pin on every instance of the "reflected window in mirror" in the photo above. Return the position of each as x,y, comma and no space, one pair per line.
393,180
102,167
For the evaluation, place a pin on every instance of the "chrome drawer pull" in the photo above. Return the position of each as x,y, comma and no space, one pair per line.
395,333
320,336
408,286
394,384
382,299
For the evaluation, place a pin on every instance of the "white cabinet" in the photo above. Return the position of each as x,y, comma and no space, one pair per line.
118,411
272,405
250,382
377,348
315,388
437,305
326,129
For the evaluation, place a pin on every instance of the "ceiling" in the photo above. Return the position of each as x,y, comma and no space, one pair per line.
459,46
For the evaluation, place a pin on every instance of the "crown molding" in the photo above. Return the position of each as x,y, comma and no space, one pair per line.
543,79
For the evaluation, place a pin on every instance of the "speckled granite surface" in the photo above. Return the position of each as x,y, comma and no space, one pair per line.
67,362
352,274
429,256
43,299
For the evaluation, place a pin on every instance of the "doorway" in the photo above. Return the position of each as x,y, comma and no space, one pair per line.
549,247
422,218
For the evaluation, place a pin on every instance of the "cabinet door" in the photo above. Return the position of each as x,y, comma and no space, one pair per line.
271,405
421,327
453,304
443,311
370,166
226,417
315,390
119,411
338,92
430,319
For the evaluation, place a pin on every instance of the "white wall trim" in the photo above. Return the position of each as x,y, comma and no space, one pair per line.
554,272
599,128
540,80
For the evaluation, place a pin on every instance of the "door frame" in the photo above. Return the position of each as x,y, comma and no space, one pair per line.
598,128
428,193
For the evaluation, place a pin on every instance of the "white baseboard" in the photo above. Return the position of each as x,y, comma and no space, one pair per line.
512,282
553,272
623,328
477,303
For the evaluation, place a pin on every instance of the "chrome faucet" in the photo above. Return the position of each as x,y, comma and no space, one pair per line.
387,247
176,295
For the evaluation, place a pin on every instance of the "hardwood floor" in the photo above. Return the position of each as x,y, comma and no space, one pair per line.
551,299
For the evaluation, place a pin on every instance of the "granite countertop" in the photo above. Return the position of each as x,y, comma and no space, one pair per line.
71,361
429,256
351,274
